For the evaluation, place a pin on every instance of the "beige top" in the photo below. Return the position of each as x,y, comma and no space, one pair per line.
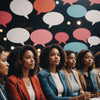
75,74
58,83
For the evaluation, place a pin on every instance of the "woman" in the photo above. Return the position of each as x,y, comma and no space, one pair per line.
96,71
53,81
22,83
3,71
71,74
85,64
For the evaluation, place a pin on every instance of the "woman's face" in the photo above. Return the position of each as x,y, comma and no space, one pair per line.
54,57
28,61
88,59
3,64
71,60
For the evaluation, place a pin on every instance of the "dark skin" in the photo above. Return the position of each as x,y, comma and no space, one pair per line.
88,61
54,60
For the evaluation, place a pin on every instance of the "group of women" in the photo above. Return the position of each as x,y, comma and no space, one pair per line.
65,75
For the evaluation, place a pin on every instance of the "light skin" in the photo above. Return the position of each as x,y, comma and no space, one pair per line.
54,59
28,63
4,65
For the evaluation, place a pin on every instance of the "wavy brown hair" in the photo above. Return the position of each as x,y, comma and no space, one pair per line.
17,55
80,61
45,53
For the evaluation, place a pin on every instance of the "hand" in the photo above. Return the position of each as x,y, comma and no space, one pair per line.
85,96
95,94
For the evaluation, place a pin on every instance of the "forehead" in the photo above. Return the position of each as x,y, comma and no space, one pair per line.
88,54
2,55
54,50
28,52
72,54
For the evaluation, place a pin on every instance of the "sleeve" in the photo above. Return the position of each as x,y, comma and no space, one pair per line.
11,89
47,90
94,83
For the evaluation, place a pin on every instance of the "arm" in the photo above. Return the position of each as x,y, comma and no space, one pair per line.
96,89
11,89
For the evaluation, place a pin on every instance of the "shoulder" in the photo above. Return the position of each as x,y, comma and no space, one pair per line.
12,78
35,78
74,71
96,70
44,72
1,86
62,73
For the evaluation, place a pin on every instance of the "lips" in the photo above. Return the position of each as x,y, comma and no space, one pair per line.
32,64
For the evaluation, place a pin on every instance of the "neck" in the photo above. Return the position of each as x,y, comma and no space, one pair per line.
25,73
52,69
85,69
69,70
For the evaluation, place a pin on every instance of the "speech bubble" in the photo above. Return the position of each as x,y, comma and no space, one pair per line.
93,16
93,40
76,11
82,34
69,1
53,18
21,7
94,2
61,37
5,17
43,6
41,36
75,46
18,35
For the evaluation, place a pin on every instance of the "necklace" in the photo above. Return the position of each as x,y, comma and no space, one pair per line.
27,81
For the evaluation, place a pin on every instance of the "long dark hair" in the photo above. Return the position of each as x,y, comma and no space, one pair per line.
45,52
80,62
16,55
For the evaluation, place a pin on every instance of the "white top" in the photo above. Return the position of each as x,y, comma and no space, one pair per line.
58,83
31,91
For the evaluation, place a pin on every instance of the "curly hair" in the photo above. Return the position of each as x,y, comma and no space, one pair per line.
80,61
1,49
16,55
45,53
97,59
13,61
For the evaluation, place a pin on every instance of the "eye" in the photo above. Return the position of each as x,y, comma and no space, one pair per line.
28,57
58,54
52,54
4,60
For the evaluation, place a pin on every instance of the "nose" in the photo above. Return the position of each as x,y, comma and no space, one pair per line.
7,64
32,59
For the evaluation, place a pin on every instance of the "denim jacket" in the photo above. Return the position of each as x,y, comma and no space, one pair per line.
2,93
49,87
